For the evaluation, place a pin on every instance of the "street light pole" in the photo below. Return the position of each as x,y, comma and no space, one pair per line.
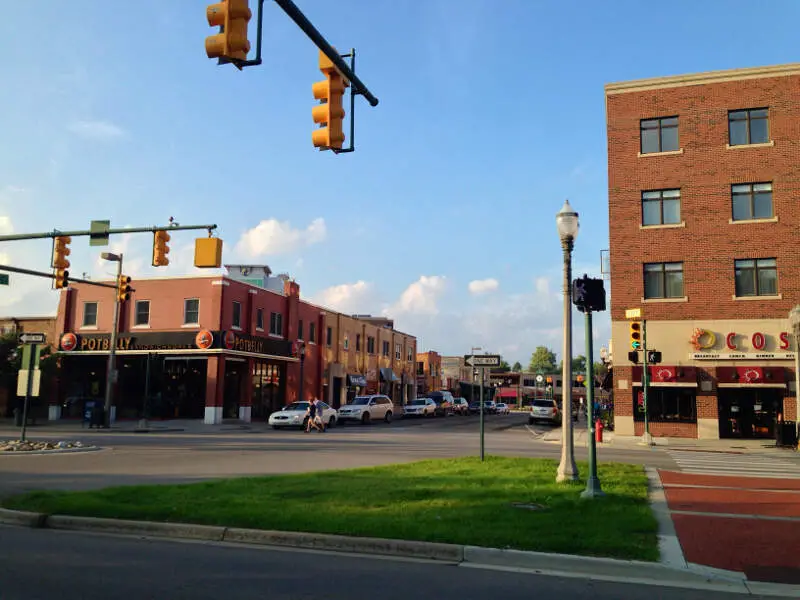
567,223
112,351
593,489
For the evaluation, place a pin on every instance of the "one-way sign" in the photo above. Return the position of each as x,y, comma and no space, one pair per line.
32,338
482,360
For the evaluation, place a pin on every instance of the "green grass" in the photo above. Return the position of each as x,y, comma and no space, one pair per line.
461,501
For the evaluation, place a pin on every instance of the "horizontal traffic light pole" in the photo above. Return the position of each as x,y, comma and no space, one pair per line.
51,276
111,231
295,14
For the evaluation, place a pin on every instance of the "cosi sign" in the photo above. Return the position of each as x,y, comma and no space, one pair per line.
764,345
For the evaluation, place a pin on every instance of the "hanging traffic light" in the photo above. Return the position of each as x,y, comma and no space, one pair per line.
160,248
231,16
60,262
329,113
123,288
61,279
636,335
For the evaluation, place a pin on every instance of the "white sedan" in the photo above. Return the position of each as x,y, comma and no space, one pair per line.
501,408
296,413
421,407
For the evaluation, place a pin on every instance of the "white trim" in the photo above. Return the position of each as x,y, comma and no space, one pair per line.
664,300
751,221
751,385
190,326
140,327
759,145
667,153
236,328
213,415
261,329
680,384
252,291
778,297
274,336
235,359
88,328
220,282
666,226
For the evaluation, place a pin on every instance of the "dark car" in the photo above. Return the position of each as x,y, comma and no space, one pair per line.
444,403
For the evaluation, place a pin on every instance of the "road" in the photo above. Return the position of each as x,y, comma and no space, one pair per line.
82,566
179,457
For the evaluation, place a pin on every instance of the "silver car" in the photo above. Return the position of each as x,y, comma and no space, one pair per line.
544,409
365,409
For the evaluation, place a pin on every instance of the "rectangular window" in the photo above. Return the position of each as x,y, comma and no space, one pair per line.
410,355
398,351
756,277
371,345
420,368
90,314
236,320
141,317
276,323
346,343
260,319
358,342
667,405
191,311
663,280
749,126
329,337
386,348
300,330
312,332
661,207
659,135
751,201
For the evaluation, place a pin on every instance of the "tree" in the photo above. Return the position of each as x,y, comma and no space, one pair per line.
543,359
504,366
578,364
517,368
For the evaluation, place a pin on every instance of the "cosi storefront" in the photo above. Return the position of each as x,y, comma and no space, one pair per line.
210,375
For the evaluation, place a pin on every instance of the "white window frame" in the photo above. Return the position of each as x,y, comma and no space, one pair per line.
136,313
186,321
84,324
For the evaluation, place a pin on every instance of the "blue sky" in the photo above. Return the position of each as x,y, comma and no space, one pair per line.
491,113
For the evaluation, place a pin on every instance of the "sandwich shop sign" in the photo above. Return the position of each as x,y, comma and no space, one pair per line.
732,345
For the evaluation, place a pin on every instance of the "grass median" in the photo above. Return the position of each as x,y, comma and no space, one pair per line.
460,501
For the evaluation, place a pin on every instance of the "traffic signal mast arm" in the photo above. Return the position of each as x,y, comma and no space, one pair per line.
22,271
87,232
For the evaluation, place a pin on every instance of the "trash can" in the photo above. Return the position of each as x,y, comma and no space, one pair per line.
786,435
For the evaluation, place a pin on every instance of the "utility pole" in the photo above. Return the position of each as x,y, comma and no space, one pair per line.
483,373
646,438
593,489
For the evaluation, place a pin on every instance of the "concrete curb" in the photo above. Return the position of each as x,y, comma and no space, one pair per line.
145,528
54,451
25,519
668,545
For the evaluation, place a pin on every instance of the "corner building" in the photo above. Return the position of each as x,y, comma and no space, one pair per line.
703,213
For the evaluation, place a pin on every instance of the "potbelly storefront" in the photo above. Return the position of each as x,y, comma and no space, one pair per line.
209,375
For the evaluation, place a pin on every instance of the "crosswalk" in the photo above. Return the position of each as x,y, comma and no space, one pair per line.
739,465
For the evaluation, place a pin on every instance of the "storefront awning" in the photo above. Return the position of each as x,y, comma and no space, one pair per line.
356,379
506,393
667,376
388,375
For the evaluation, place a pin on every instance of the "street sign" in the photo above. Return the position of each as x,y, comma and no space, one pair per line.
22,382
98,235
633,313
3,278
482,360
32,338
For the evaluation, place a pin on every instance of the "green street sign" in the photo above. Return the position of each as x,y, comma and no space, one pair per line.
26,355
98,235
3,278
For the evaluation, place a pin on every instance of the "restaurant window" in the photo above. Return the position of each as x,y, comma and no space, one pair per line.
659,135
236,321
260,319
666,405
750,126
141,316
751,201
661,207
191,311
276,324
89,314
756,277
312,333
663,280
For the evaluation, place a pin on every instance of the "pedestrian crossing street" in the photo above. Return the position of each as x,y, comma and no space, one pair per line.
739,465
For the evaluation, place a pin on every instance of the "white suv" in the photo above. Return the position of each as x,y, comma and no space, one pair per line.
366,409
544,409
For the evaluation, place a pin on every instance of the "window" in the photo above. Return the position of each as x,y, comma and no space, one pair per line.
667,405
89,314
756,277
276,323
661,207
236,320
420,368
329,337
346,343
410,355
659,135
260,319
371,345
751,201
358,342
398,351
191,311
312,333
663,280
141,317
385,348
300,330
750,126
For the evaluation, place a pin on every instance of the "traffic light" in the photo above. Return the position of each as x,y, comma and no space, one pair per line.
588,294
580,293
636,335
633,356
160,248
123,288
62,279
329,113
60,262
653,357
231,16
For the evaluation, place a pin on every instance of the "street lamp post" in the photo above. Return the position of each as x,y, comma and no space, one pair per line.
567,224
794,319
302,352
112,350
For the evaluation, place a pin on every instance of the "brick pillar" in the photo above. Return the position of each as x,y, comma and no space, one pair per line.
215,389
623,400
707,407
246,399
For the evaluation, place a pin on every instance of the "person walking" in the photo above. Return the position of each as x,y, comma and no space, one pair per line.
311,417
319,417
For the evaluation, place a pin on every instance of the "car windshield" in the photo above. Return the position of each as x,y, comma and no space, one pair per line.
419,402
543,403
360,400
297,406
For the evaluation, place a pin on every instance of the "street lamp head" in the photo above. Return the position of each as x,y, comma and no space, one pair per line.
567,222
110,256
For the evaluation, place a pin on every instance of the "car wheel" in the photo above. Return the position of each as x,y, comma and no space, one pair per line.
365,418
388,416
331,421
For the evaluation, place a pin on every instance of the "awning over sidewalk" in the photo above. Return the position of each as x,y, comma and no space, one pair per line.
388,375
506,393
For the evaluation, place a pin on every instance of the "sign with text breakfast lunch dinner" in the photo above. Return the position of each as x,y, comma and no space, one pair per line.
733,345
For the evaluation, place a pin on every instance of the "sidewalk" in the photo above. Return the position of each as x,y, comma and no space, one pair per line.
75,427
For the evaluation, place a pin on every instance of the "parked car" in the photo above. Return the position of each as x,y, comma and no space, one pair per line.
544,409
295,415
460,406
444,402
366,409
488,407
421,407
501,408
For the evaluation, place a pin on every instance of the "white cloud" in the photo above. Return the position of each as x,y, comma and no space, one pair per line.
96,130
420,297
6,228
349,298
481,286
271,237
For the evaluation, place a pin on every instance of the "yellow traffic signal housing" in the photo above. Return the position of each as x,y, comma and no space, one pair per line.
231,16
208,253
330,112
62,279
160,248
123,288
61,251
636,335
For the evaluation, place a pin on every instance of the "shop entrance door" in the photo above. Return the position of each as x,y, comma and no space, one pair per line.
749,412
234,377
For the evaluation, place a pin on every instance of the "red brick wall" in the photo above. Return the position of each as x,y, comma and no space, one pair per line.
679,430
704,172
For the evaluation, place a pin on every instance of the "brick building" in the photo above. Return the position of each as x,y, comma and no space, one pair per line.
703,212
429,372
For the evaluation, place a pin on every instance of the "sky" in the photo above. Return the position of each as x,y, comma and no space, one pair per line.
491,113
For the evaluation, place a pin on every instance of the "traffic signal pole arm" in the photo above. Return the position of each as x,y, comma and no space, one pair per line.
290,8
118,230
51,276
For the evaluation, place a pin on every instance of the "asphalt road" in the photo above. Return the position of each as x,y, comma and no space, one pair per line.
40,564
130,458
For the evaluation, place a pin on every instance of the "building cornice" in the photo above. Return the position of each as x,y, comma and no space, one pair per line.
641,85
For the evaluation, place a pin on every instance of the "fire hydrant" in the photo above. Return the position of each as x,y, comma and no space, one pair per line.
598,431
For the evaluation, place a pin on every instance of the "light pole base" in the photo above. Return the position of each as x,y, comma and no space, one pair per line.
566,472
593,489
647,440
